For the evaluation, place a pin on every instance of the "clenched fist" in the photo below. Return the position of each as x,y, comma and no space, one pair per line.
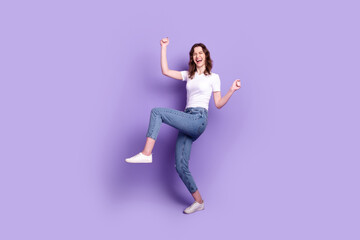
236,85
164,42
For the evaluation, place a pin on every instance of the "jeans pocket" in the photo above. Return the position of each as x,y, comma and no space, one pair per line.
197,114
201,114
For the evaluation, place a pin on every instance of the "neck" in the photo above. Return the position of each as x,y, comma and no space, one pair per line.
201,69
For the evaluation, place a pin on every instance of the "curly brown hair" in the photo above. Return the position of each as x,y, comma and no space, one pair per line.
208,61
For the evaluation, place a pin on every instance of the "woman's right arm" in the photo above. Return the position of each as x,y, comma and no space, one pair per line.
164,65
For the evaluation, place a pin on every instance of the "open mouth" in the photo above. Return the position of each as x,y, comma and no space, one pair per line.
198,60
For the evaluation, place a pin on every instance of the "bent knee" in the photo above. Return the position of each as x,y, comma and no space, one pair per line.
156,110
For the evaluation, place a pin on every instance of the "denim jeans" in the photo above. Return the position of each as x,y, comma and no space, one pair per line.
191,124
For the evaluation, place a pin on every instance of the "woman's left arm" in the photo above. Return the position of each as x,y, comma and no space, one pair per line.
221,101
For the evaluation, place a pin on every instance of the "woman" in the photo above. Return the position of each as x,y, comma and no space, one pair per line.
191,123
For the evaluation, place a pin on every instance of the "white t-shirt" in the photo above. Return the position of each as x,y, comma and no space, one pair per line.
199,88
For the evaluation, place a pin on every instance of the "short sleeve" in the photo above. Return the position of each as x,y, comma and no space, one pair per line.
184,75
215,85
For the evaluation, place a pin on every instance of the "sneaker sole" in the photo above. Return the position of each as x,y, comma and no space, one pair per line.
137,162
195,210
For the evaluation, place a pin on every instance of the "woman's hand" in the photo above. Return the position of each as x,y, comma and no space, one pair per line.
164,42
236,85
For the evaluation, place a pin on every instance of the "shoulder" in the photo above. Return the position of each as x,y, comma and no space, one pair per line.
214,76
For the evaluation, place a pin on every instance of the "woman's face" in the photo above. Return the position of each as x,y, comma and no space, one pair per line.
199,57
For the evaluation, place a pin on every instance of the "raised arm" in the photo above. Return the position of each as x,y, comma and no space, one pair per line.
221,101
164,65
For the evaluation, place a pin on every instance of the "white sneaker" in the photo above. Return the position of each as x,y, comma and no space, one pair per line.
194,207
139,158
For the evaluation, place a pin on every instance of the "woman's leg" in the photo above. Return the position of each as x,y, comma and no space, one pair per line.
182,156
184,122
149,145
196,195
180,120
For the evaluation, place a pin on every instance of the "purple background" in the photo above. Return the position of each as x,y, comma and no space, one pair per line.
78,81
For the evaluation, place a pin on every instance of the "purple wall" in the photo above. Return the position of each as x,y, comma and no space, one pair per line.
278,161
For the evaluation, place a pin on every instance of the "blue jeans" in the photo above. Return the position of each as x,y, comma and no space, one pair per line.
191,124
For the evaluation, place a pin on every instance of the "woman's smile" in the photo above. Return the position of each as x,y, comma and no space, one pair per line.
199,56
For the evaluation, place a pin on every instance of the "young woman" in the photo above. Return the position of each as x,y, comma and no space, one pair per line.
191,122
